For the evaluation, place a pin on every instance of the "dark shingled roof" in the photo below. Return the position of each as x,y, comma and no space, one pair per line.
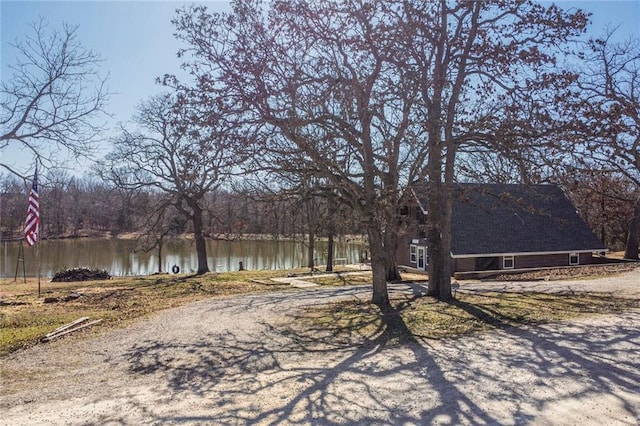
504,218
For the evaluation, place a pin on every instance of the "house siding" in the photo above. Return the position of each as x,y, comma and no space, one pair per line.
541,261
549,260
402,253
586,258
465,264
468,264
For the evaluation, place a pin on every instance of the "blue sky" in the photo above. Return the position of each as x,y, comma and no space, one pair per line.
136,40
134,37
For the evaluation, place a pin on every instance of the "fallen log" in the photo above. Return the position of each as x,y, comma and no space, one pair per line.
76,325
67,326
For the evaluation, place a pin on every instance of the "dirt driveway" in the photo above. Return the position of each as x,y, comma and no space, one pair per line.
241,360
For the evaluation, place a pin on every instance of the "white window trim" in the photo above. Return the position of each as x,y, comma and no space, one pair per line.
413,253
504,262
577,256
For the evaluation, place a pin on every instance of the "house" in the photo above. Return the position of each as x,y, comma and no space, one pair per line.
505,226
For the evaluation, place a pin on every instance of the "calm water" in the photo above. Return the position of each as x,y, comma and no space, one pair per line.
119,259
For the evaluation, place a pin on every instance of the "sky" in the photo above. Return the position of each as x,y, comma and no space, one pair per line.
135,39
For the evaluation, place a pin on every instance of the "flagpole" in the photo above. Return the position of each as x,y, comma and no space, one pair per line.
38,263
32,222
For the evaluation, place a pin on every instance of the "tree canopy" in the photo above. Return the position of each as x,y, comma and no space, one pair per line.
374,95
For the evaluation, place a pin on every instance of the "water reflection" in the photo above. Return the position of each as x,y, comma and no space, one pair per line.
119,258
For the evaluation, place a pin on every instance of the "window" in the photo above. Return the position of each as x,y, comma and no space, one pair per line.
412,253
574,259
507,262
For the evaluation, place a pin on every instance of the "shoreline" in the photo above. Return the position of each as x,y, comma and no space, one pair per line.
131,236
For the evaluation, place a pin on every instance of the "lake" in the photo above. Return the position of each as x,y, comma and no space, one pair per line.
118,258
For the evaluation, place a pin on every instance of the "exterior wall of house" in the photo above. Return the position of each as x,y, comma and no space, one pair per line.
412,236
586,258
541,261
468,264
403,252
549,260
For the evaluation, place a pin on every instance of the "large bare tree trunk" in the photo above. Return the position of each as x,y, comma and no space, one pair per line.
438,254
444,282
201,246
439,274
439,241
438,277
330,251
379,269
633,238
391,248
160,256
393,275
311,249
330,231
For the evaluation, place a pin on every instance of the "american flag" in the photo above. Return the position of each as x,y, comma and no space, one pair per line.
33,213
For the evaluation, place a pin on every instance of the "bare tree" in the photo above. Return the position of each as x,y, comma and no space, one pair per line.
12,199
334,105
605,200
55,202
372,95
54,97
161,223
174,153
476,63
609,104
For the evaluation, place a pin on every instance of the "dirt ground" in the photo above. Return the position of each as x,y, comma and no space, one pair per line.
243,360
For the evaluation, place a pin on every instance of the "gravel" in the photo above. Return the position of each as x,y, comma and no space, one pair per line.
245,360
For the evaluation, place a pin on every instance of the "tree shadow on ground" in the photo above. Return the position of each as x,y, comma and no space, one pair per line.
379,372
307,374
590,361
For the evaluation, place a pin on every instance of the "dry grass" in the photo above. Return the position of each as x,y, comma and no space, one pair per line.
339,279
346,276
428,318
568,273
616,254
25,318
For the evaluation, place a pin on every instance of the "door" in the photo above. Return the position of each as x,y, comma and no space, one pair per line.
421,258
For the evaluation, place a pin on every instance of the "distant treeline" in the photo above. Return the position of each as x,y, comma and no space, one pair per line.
75,207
